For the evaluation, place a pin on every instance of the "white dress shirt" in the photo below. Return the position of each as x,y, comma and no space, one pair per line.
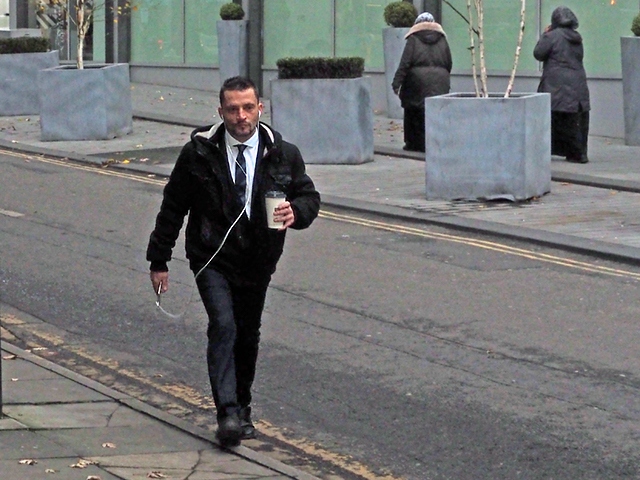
250,157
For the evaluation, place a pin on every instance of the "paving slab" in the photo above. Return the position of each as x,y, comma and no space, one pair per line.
21,370
76,415
52,469
206,464
56,390
24,444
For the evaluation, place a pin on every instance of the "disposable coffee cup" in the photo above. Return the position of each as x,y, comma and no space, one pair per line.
272,199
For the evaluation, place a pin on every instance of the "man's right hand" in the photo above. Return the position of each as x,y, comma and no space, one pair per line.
159,280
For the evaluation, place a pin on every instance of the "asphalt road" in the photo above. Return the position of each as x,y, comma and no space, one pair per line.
389,350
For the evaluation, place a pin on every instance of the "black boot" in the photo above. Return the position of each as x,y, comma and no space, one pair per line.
248,429
229,431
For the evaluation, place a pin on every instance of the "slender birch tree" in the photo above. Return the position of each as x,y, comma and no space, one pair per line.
518,49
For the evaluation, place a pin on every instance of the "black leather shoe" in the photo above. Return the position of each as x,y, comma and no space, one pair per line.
229,431
582,159
248,428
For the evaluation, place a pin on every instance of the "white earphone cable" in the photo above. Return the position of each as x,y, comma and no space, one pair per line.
177,316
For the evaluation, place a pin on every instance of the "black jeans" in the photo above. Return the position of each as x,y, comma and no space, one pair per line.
414,129
235,315
570,134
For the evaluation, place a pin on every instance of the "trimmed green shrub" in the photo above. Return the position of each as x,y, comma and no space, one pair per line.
24,45
231,11
320,67
400,14
635,25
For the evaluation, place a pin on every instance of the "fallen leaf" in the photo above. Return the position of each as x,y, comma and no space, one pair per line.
156,475
9,357
93,477
49,470
82,463
15,379
38,349
125,161
108,445
27,461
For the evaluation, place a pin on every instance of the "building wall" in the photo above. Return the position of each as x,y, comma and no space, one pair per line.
174,42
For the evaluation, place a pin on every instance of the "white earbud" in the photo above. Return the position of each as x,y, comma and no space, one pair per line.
259,114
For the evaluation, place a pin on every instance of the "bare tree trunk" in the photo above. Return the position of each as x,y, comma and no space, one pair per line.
518,50
481,45
472,48
80,20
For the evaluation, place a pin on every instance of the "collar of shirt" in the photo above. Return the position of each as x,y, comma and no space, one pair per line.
250,157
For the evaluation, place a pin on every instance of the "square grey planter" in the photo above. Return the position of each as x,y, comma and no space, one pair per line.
393,42
233,48
330,120
488,148
630,57
18,81
89,104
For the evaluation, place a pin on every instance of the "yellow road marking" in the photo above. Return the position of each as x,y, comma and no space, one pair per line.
395,228
487,245
86,168
195,399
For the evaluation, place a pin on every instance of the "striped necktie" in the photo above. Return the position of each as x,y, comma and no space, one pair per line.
241,174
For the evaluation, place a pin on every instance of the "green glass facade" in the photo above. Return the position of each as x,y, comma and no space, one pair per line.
602,23
183,32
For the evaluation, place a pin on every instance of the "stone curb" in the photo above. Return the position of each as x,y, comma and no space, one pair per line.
159,415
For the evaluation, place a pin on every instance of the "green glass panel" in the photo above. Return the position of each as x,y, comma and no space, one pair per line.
602,23
201,39
157,32
98,38
501,30
297,28
359,25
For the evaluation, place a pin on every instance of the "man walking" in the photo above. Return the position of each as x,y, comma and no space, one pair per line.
220,180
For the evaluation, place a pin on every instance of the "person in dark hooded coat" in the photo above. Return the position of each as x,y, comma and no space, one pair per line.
424,71
563,76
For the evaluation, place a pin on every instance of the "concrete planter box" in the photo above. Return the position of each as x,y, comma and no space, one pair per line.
488,148
330,120
630,56
233,48
18,81
393,42
89,104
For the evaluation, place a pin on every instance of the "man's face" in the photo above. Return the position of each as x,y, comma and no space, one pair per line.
240,112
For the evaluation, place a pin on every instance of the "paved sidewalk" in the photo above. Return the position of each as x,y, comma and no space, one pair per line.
58,424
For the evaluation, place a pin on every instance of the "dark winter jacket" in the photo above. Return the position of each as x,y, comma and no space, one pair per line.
425,66
202,187
563,75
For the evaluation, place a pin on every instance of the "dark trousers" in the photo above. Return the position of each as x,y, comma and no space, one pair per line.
570,134
414,129
233,334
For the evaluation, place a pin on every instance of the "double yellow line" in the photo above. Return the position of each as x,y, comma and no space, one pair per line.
389,227
486,245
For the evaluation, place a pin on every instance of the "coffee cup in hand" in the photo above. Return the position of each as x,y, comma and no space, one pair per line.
272,199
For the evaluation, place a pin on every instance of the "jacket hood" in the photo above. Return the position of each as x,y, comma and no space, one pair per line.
571,35
428,32
563,17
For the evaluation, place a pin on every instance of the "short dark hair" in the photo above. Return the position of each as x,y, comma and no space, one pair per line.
238,84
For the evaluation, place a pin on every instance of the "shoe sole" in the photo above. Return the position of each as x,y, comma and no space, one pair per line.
230,438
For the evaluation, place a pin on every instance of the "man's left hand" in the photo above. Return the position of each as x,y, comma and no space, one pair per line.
284,214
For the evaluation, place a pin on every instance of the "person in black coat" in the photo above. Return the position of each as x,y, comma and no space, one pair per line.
561,50
220,181
424,71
